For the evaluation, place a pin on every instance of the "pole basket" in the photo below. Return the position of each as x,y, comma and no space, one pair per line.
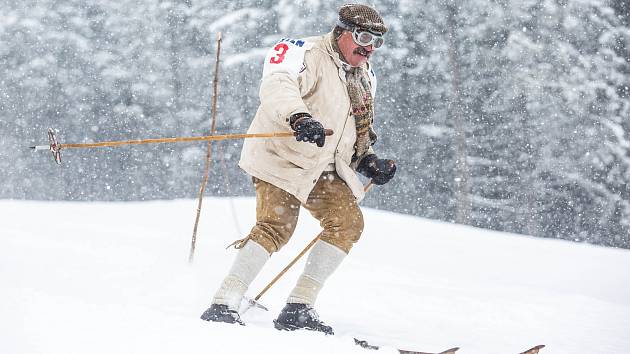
55,148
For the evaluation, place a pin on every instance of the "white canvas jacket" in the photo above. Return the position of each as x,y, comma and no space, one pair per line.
303,76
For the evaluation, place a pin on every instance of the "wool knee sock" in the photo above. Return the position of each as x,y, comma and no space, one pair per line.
321,263
248,263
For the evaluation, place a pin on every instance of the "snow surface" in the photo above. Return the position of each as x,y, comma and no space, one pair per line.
114,278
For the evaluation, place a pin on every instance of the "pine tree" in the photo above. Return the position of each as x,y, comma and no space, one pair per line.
556,62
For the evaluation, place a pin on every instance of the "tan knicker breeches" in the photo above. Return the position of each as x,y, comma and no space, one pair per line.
331,202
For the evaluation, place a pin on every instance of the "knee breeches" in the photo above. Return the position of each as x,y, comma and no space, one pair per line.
331,202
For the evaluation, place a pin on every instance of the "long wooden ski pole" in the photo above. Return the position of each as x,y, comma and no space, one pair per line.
206,173
55,147
297,258
170,140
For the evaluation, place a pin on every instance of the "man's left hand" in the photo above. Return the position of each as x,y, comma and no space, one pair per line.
379,170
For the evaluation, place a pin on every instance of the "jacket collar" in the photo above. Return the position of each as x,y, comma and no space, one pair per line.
333,50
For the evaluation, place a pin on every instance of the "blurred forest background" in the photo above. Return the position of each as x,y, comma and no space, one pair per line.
510,115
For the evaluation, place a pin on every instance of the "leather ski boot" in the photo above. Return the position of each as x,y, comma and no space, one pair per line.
221,313
300,316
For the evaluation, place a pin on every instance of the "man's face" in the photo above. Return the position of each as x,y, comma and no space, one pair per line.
354,54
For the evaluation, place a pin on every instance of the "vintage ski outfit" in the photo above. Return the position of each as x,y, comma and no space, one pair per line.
307,85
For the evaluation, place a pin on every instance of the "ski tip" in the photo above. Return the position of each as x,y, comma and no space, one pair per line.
534,350
448,351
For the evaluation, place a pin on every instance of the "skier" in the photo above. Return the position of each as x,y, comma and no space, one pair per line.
308,84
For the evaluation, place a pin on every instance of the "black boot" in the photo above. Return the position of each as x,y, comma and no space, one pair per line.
221,313
300,316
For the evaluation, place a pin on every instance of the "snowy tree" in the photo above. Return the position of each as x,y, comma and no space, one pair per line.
540,90
565,75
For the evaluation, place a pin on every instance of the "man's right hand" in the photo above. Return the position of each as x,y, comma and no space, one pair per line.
308,129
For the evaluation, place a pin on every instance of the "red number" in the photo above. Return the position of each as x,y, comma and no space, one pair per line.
281,48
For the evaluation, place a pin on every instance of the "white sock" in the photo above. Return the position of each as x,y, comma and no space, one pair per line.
321,263
248,263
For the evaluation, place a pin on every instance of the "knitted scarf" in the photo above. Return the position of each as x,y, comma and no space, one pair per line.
362,104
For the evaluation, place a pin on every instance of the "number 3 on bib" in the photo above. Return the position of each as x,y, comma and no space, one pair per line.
281,49
286,56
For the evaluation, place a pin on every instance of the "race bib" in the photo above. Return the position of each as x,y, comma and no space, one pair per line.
286,56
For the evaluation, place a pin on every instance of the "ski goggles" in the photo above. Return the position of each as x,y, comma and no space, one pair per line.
365,38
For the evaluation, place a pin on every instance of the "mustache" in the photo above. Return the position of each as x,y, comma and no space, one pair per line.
361,51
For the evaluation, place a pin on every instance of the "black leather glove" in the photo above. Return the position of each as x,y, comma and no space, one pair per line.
379,170
307,129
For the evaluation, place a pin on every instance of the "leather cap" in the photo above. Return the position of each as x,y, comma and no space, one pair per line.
362,16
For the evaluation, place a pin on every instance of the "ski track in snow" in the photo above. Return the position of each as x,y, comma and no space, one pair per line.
114,278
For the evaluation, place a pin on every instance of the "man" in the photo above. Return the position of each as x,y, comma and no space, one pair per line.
307,85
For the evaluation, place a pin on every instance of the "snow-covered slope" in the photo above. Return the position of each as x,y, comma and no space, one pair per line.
114,278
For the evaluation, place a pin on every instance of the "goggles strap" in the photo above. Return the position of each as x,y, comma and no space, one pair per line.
344,25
